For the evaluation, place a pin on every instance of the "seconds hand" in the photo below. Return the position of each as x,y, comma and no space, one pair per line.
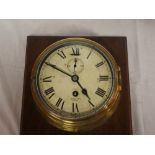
75,60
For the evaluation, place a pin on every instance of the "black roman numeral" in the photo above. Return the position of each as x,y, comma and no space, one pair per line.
89,54
75,52
60,103
47,79
104,78
61,54
75,107
100,92
49,91
99,64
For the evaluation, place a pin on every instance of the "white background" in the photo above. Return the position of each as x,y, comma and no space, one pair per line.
141,51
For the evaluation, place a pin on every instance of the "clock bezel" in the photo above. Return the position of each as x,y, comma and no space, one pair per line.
85,123
57,111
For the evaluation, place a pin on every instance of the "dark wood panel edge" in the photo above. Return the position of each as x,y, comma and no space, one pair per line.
129,105
24,85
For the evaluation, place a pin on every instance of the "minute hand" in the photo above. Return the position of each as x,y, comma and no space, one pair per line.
55,67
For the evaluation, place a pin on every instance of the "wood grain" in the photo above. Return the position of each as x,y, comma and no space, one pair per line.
32,121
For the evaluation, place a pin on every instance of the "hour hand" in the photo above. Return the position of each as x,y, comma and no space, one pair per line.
57,68
84,91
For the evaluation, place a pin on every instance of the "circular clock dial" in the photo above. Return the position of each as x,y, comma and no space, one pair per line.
75,80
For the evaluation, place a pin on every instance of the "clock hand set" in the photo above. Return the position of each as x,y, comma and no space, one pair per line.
75,78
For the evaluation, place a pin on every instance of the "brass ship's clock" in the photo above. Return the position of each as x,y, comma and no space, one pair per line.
76,84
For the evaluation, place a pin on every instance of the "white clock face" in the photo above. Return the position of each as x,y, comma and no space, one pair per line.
75,80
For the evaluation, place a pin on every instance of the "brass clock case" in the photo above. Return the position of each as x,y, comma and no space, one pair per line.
86,123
